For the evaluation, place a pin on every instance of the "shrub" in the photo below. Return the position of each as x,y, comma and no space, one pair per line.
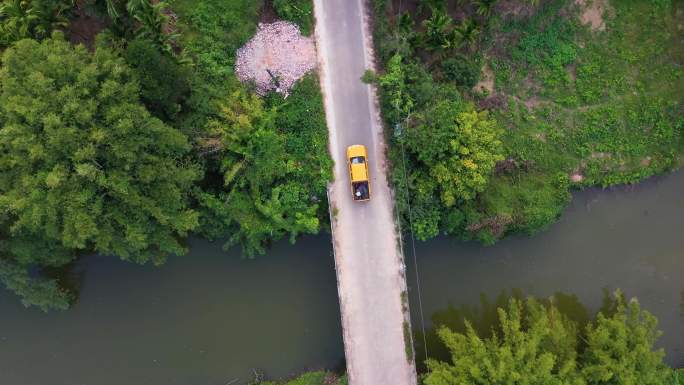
164,83
299,12
97,171
36,19
462,71
534,343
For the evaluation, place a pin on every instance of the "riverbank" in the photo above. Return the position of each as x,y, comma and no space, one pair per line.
625,237
576,105
211,316
183,148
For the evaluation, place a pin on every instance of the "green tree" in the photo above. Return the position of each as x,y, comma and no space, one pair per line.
450,150
677,377
438,34
458,149
431,5
296,11
485,8
467,33
164,83
144,19
395,90
21,19
274,167
620,348
83,166
536,345
461,70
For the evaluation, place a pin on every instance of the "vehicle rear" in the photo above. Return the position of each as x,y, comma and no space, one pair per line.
357,159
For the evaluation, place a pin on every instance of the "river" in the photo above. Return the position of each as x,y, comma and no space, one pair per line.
211,318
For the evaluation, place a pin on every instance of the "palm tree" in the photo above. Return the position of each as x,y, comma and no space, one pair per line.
18,18
404,38
145,19
112,9
432,5
437,30
406,24
152,21
467,33
22,18
485,7
132,7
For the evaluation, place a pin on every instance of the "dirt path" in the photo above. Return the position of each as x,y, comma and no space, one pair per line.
368,257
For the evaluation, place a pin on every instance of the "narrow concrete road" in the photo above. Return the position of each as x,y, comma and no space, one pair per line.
368,256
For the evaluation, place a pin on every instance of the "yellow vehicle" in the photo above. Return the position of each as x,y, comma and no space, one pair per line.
357,159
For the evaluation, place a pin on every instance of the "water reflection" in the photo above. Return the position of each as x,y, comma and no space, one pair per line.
628,238
69,278
207,318
484,318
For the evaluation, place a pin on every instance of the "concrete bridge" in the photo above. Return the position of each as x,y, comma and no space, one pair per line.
368,251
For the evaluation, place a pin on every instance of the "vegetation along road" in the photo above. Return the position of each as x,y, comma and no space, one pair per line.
368,256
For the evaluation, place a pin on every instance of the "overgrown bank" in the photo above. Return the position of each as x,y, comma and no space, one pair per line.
500,108
515,340
128,144
528,341
310,378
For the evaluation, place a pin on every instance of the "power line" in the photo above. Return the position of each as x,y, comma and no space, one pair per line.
410,217
413,239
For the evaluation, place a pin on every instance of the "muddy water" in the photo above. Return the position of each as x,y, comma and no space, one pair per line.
206,318
630,238
210,317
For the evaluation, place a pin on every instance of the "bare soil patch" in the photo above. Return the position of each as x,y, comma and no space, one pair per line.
486,83
572,72
84,27
533,102
276,57
514,8
268,14
592,13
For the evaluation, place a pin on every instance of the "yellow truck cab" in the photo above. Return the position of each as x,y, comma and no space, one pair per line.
357,159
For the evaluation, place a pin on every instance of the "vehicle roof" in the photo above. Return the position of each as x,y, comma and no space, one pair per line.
356,150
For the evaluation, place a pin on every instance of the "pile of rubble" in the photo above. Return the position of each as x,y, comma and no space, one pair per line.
276,57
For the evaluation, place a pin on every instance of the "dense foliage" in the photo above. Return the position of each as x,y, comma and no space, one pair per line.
534,343
40,291
449,150
576,106
86,168
266,160
310,378
20,19
164,83
275,168
83,165
296,11
144,19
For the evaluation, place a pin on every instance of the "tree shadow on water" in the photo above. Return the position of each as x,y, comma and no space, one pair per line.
484,319
69,278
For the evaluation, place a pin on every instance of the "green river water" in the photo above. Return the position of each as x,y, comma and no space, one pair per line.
210,317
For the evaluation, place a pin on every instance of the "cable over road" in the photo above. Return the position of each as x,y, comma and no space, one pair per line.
368,251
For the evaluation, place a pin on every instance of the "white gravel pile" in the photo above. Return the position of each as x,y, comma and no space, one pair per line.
280,48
